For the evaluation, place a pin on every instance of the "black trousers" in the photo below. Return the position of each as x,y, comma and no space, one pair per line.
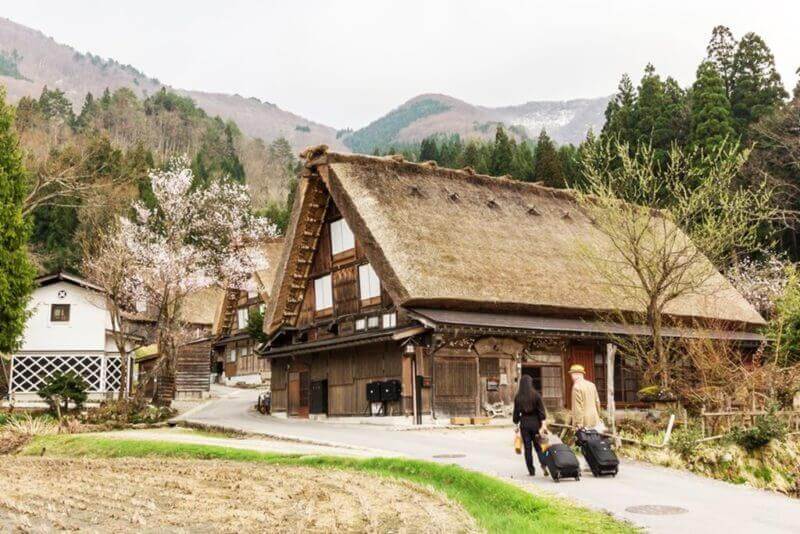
529,439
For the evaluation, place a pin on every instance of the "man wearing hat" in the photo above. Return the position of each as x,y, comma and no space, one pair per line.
585,401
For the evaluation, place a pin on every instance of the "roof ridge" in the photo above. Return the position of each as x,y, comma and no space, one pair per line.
321,155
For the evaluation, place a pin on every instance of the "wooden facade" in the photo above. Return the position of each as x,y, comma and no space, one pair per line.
385,276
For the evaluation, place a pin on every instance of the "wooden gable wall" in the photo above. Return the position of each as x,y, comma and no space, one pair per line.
344,280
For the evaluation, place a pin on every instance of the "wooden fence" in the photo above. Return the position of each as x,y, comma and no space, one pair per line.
715,423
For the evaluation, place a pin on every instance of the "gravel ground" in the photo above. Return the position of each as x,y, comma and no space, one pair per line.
157,495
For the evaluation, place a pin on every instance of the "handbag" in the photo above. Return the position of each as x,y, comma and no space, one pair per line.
518,444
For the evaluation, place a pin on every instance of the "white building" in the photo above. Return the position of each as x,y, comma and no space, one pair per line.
69,330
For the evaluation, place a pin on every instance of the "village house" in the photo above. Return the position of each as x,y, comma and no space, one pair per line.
69,329
235,360
415,291
193,367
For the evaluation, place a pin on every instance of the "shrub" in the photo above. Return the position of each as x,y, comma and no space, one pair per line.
655,394
32,426
121,413
767,427
684,441
64,387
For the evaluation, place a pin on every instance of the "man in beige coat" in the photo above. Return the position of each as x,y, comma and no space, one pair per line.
585,401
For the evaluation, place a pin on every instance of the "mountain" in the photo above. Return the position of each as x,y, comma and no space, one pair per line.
566,122
29,60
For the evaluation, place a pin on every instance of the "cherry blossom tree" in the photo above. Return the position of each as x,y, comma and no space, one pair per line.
191,239
109,264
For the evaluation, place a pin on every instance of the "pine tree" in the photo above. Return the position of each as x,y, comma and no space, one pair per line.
649,104
711,120
16,271
522,168
757,88
428,150
721,49
619,112
502,153
546,163
472,157
796,92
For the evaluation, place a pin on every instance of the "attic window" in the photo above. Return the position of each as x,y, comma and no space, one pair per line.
565,215
492,204
453,196
342,238
415,192
533,211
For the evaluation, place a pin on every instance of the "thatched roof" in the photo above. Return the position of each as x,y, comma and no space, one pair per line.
261,281
454,239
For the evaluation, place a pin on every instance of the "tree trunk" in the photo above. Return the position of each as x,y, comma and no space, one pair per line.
662,367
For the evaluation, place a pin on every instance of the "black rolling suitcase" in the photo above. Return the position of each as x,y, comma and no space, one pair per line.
597,451
562,462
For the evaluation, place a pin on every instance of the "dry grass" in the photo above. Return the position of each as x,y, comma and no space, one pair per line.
43,494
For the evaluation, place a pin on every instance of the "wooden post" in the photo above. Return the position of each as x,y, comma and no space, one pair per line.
669,429
611,352
703,419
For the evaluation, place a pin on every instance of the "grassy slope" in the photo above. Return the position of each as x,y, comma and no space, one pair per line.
497,506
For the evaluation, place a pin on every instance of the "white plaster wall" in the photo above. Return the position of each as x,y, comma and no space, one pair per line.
85,330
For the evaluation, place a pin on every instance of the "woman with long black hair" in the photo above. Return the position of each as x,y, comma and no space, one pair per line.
530,415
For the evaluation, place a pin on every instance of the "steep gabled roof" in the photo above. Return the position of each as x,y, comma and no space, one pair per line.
454,239
262,281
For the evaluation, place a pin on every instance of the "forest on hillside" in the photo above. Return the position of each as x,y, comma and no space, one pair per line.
87,167
737,99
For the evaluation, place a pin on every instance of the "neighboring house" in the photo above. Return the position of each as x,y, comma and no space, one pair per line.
194,359
69,330
453,284
235,360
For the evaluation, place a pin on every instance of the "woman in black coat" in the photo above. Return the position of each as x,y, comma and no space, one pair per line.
530,415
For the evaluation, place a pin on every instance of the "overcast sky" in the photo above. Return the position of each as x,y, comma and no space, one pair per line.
345,63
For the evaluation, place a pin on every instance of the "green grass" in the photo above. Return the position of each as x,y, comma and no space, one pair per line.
497,506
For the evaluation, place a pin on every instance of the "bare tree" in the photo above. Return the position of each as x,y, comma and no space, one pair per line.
108,264
669,225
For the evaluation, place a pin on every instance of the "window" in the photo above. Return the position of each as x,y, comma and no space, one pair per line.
373,322
141,306
323,293
369,283
342,238
262,307
389,320
243,316
232,355
59,313
361,324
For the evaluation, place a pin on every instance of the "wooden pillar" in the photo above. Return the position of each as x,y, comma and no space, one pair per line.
611,353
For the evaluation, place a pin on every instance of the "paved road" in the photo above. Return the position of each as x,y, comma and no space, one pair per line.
710,505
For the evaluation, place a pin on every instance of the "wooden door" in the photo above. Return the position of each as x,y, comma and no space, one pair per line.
456,386
298,393
582,355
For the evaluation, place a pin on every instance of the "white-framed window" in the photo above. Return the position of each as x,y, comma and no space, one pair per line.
232,355
368,282
361,324
323,293
141,306
389,320
342,238
242,316
242,352
373,322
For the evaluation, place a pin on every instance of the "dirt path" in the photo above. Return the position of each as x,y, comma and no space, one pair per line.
105,495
